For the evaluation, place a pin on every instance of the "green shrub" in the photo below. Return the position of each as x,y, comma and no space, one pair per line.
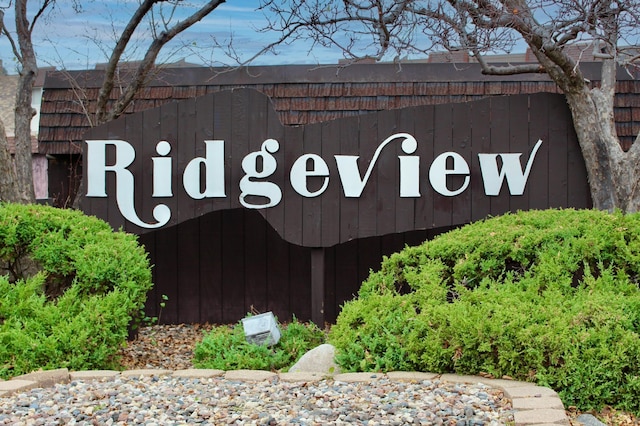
71,289
225,348
545,296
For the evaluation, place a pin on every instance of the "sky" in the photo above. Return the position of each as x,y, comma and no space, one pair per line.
70,40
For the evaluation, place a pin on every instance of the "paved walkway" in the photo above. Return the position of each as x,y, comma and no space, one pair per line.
533,405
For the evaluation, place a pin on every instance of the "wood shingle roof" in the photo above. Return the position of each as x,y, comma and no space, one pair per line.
302,94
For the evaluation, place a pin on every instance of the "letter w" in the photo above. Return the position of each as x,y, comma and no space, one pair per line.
511,169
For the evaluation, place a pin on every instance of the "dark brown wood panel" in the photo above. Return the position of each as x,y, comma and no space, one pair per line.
312,207
558,157
405,213
461,144
519,141
167,277
539,130
367,203
188,262
386,173
349,207
235,264
481,143
255,243
500,142
424,125
244,120
275,130
443,142
293,214
297,290
216,262
331,198
210,247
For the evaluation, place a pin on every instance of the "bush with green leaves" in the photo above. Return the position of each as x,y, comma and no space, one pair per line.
225,348
70,291
549,296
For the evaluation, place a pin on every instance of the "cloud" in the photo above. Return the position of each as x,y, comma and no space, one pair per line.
79,40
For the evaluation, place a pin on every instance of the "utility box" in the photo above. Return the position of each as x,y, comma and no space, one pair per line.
261,329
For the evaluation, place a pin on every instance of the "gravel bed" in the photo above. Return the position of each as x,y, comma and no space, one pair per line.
168,400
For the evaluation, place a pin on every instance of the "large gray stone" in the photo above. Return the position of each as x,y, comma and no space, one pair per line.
589,420
318,360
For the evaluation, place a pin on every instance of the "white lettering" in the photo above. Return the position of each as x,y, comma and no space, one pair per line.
511,169
96,180
438,173
353,185
162,171
204,177
300,172
250,165
409,169
213,163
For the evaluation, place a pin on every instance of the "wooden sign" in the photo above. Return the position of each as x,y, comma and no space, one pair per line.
324,184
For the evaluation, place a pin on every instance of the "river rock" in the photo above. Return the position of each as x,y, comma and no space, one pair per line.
320,359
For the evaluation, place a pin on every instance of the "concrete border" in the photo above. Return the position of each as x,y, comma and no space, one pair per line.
532,405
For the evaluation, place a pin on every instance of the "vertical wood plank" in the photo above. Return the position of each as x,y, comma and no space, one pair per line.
349,207
166,272
461,142
144,141
255,243
369,255
368,200
317,286
500,143
481,143
558,161
443,139
115,130
330,304
164,129
330,199
240,144
233,261
274,130
386,174
148,241
188,266
282,287
299,283
312,207
347,280
405,214
425,135
293,216
539,183
187,143
519,142
221,122
210,256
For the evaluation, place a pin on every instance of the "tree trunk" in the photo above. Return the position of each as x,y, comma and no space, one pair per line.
23,155
8,190
24,112
613,174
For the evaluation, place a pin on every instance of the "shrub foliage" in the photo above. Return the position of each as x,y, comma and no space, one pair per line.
70,290
548,296
225,348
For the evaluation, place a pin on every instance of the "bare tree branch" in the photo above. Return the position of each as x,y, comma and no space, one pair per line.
143,72
116,54
5,31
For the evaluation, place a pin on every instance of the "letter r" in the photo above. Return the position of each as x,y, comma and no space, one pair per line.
97,164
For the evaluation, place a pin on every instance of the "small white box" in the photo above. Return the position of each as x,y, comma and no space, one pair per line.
261,329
